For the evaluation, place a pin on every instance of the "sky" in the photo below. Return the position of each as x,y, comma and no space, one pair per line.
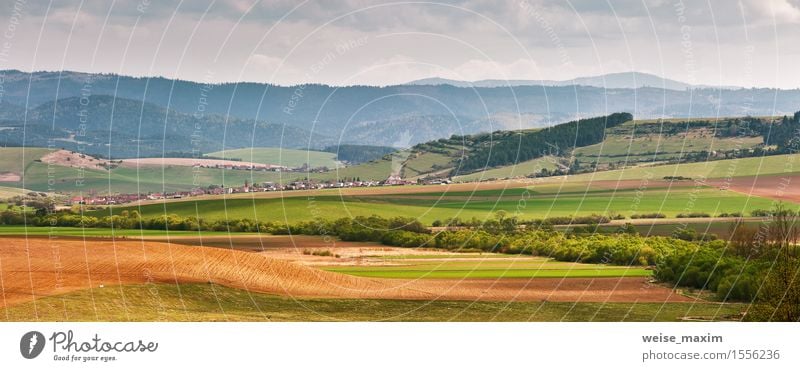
749,43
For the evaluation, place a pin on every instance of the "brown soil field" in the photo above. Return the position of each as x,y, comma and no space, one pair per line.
73,159
254,242
168,161
778,187
32,268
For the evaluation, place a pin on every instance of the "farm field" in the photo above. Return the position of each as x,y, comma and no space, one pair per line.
498,268
205,302
429,207
280,156
32,273
426,263
13,230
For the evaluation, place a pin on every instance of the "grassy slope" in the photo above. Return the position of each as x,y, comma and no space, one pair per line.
8,192
768,165
518,170
202,302
15,159
424,163
280,156
620,147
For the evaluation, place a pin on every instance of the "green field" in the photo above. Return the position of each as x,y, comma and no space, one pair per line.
519,170
280,156
203,302
16,159
750,166
441,206
424,163
621,145
488,268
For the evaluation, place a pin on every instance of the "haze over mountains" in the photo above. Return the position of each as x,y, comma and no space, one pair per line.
154,116
621,80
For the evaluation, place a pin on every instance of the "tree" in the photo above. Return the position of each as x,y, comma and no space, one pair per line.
779,297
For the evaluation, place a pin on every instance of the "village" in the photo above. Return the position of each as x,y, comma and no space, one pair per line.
125,198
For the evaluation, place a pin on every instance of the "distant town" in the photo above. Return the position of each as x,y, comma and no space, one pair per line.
126,198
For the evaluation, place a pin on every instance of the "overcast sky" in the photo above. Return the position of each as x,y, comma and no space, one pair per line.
345,42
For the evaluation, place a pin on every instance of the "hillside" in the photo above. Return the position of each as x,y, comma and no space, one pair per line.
118,128
604,143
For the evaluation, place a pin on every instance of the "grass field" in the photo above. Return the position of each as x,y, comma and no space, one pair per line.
280,156
750,166
424,163
620,146
16,159
429,207
522,169
488,268
204,302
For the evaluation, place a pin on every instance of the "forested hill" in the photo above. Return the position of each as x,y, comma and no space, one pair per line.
505,148
117,128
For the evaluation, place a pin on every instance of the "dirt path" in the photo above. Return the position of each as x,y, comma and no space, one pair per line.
40,267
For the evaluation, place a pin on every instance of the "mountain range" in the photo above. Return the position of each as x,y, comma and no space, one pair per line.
122,116
621,80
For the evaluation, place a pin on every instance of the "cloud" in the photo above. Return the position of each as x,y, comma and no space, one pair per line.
464,39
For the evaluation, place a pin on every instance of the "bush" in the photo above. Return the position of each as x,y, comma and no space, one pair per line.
648,216
693,215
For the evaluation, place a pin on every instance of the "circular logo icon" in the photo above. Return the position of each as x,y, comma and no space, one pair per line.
31,344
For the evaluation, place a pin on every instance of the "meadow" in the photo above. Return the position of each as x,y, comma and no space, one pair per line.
208,302
486,268
280,156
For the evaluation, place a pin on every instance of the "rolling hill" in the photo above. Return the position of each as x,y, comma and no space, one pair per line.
112,127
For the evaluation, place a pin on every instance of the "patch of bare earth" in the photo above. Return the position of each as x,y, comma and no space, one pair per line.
10,177
36,267
73,159
778,187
